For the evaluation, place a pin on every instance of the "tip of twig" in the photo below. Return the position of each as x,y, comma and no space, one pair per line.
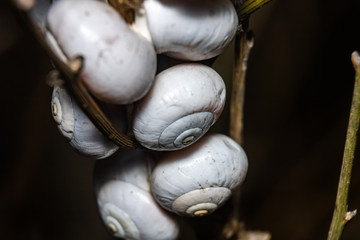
250,39
355,59
349,215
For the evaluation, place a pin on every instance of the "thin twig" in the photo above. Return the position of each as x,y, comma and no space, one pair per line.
243,43
341,216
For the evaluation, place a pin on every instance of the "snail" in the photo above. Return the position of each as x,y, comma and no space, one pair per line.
119,64
183,103
199,179
81,133
125,203
190,30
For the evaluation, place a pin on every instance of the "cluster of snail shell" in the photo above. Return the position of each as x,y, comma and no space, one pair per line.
172,108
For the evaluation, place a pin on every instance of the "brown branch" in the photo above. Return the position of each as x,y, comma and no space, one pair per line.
341,216
243,43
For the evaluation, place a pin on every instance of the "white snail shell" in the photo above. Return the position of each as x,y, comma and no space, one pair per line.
119,64
191,30
183,103
126,205
197,180
81,133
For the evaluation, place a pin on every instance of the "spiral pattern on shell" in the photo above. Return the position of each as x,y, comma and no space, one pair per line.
79,130
125,203
197,180
183,103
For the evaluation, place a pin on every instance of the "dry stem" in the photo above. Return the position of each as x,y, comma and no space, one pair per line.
243,43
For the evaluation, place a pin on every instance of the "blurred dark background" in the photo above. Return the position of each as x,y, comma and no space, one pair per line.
298,94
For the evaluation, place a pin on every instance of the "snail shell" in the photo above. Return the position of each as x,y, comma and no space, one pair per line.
183,103
125,203
199,179
81,133
119,64
191,30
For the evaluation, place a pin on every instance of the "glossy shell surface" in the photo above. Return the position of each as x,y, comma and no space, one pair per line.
191,30
197,180
81,133
119,64
183,103
126,205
